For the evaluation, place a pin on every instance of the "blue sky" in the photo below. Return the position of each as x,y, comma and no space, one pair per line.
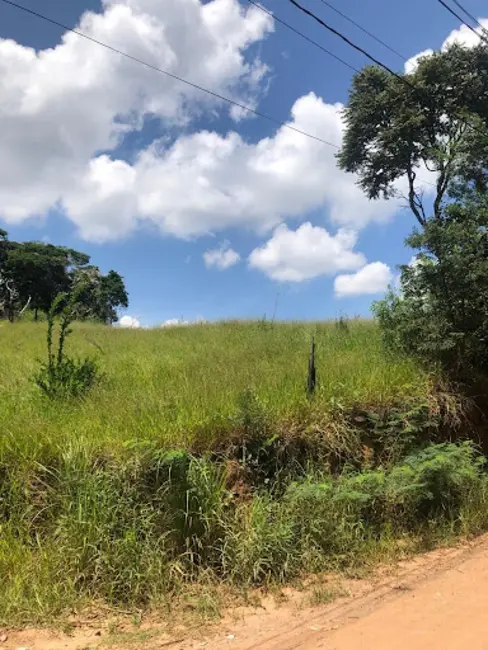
178,182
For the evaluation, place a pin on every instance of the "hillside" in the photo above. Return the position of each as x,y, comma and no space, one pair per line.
197,460
174,385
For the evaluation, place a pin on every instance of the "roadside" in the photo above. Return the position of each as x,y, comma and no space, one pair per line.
437,600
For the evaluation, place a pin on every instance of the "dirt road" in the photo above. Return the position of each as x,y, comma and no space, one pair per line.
438,602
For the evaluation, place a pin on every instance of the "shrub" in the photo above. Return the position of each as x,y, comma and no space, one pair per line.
62,376
437,481
441,314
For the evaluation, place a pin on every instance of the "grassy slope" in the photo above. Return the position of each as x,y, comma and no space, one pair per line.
169,384
85,518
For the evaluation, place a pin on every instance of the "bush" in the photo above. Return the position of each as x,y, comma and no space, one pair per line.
441,314
61,376
437,481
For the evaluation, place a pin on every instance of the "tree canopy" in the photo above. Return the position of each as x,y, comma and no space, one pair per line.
435,118
442,311
34,273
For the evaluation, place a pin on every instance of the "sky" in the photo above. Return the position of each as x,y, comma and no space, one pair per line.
207,211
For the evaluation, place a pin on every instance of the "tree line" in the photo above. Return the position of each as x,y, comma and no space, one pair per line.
32,274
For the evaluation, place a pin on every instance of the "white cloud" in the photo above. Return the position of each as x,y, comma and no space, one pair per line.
222,258
371,279
65,110
462,36
63,105
233,183
129,322
305,253
412,63
174,322
180,322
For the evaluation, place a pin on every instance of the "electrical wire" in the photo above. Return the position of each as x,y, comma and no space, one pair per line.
475,20
168,74
307,38
350,43
363,29
451,11
401,78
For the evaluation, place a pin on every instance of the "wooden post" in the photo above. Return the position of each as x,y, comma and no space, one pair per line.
311,380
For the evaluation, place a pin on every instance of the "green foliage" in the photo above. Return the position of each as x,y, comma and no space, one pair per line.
61,376
441,314
437,121
438,480
183,388
39,272
133,531
99,295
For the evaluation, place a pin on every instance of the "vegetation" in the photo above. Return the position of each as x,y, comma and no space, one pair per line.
442,312
200,458
187,386
32,274
60,375
436,119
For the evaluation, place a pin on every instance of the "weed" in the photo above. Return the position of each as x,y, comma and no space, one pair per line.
323,595
62,376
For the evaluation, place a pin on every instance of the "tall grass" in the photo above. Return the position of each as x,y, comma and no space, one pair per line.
137,532
176,386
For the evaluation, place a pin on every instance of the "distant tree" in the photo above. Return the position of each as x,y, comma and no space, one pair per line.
438,122
40,271
34,273
99,295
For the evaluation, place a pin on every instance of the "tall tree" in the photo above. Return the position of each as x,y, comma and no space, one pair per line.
436,118
9,296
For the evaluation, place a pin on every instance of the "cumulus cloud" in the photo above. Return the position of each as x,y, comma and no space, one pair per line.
305,253
129,322
63,105
412,63
180,322
65,111
462,36
222,258
371,279
233,183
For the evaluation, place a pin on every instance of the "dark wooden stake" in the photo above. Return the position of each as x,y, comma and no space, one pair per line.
311,380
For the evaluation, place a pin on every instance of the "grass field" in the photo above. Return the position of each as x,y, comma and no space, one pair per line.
198,460
172,385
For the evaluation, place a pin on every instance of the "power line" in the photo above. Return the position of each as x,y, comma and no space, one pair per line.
401,78
451,11
363,29
350,43
307,38
475,20
168,74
